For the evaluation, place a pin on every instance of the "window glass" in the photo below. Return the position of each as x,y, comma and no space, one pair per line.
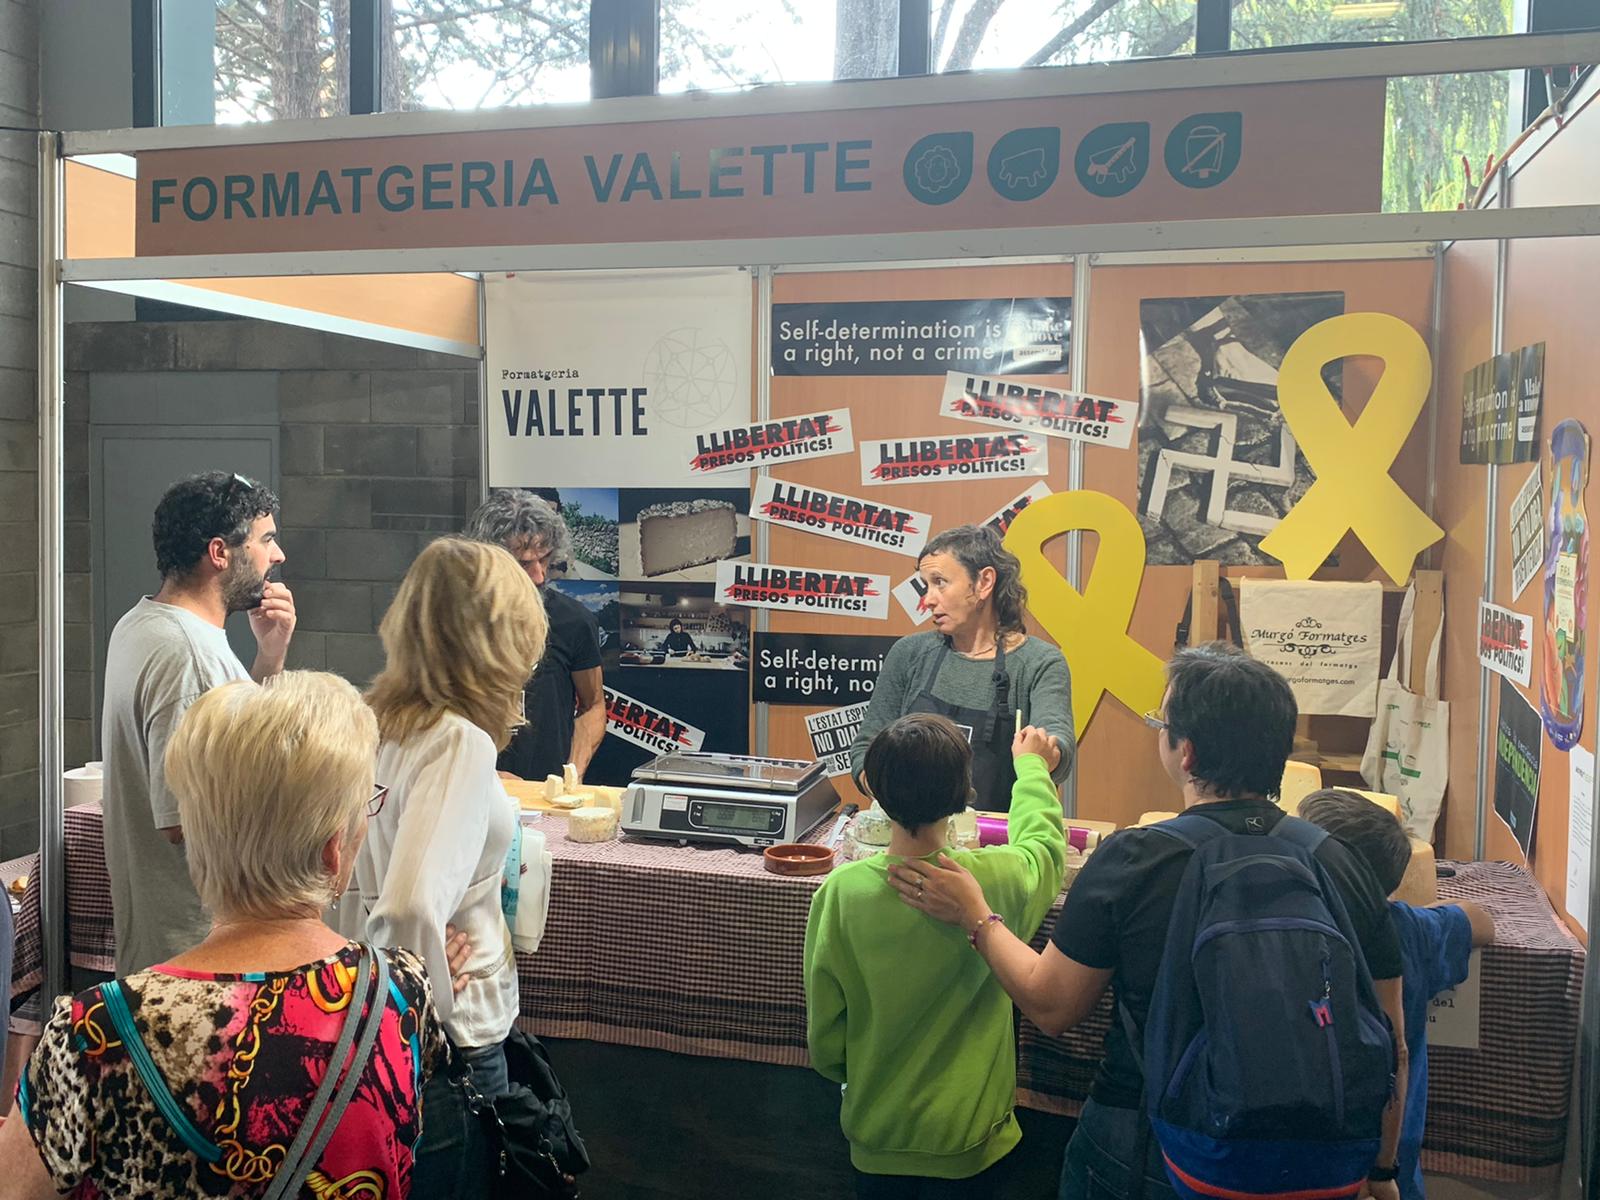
713,44
463,54
977,34
280,61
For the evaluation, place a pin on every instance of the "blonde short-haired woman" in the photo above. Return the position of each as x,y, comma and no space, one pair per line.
465,631
275,788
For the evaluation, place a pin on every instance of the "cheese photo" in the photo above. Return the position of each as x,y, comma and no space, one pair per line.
678,535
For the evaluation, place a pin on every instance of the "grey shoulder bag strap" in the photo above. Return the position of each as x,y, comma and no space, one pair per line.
322,1117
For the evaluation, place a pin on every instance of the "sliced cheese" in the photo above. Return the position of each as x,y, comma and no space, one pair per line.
569,777
592,824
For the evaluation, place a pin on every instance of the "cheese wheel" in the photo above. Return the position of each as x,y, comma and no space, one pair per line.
569,777
593,824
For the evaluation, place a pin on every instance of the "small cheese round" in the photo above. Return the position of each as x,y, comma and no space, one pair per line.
592,824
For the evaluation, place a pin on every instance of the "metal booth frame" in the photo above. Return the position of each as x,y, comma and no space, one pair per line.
1296,238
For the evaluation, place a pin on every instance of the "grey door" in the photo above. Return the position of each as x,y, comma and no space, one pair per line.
130,467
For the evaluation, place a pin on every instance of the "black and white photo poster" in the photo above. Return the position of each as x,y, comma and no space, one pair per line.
591,375
1218,465
1527,531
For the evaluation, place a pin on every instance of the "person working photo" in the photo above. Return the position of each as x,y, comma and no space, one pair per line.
978,666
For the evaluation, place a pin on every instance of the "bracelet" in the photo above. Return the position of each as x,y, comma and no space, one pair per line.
1387,1174
992,919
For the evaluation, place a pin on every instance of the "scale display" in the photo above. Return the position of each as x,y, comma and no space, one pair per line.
735,816
727,798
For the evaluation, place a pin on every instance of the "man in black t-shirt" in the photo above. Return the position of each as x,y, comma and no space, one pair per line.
564,701
1226,727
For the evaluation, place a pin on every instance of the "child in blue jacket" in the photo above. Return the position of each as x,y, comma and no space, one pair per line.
1436,944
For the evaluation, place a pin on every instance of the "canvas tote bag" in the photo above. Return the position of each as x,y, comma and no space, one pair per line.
1408,749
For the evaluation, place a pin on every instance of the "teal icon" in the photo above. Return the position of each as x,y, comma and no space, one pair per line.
1203,150
1112,159
1025,162
939,167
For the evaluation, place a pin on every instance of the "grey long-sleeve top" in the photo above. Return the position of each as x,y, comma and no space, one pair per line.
1041,686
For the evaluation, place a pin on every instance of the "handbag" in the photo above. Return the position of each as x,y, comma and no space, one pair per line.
537,1152
322,1117
1408,747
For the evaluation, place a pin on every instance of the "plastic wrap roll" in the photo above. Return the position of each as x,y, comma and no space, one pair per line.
992,831
82,785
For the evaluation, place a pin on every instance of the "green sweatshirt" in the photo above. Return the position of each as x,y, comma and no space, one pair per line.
909,1018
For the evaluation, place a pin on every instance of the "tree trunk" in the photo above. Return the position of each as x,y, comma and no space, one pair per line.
970,36
866,40
296,74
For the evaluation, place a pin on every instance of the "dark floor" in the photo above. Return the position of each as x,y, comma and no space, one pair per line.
662,1126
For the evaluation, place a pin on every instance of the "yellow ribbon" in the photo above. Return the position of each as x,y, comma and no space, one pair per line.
1354,490
1090,626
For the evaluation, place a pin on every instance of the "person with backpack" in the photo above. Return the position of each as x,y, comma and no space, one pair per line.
1257,1047
1436,945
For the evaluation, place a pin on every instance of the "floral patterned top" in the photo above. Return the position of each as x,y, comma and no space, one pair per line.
243,1055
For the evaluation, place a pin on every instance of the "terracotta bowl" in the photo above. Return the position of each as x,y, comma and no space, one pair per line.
798,858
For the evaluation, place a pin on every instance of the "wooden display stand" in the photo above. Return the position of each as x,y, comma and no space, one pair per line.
1332,744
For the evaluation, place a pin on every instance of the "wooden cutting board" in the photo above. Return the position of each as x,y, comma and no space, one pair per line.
530,794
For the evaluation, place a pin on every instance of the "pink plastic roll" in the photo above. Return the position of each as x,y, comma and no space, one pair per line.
1078,838
992,831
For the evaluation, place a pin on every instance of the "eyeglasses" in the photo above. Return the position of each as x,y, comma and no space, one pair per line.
380,793
1154,719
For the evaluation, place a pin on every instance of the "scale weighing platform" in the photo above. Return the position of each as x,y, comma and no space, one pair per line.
727,798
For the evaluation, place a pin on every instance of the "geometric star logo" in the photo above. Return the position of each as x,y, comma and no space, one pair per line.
692,378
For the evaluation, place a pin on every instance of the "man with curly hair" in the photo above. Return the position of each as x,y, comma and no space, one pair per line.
216,543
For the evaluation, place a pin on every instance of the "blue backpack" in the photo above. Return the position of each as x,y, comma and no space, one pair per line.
1267,1060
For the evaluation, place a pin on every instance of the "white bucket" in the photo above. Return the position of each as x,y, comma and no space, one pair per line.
82,785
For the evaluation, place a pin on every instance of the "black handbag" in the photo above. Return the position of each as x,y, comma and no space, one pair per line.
536,1150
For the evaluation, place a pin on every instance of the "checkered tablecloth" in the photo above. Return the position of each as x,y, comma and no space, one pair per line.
698,951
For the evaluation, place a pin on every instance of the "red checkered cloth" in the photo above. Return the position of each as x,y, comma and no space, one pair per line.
1499,1112
699,950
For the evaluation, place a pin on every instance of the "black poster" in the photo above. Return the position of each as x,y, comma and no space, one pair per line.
1500,403
823,669
922,337
1518,740
714,701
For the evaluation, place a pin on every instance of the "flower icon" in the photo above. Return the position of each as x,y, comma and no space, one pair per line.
938,169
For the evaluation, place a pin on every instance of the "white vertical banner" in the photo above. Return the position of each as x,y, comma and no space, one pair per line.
590,375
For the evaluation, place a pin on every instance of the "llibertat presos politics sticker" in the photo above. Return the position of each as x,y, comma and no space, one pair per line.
644,725
833,514
767,443
953,459
1053,412
803,589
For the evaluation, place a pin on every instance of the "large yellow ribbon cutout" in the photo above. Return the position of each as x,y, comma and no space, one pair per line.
1090,626
1353,488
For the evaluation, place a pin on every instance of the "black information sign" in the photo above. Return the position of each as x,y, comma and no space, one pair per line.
822,669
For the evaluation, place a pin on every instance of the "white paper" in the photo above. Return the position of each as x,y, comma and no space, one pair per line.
911,593
991,455
1505,642
1527,532
1453,1015
595,377
833,732
1580,835
836,515
803,589
1054,412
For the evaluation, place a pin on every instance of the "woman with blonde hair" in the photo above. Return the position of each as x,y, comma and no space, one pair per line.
462,637
275,1058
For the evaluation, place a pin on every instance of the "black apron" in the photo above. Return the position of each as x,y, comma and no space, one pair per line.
989,731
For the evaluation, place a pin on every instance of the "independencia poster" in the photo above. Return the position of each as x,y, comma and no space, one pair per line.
590,376
1518,746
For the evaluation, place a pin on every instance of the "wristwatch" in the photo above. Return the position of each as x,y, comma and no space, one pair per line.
1384,1174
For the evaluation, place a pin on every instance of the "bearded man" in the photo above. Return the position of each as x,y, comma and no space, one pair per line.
216,544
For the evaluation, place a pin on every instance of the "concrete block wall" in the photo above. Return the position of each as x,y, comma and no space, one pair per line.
378,455
19,631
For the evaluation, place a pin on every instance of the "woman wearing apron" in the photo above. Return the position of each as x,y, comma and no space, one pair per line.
977,666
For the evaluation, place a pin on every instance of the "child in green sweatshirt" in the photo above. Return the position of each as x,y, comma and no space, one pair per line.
900,1010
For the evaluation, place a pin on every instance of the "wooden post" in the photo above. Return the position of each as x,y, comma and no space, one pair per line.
1426,618
1204,621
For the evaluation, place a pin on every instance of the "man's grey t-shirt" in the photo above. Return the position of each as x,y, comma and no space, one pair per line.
161,660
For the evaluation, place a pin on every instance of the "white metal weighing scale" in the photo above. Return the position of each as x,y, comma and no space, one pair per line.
728,798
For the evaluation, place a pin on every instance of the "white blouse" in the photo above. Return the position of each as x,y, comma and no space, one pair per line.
435,856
